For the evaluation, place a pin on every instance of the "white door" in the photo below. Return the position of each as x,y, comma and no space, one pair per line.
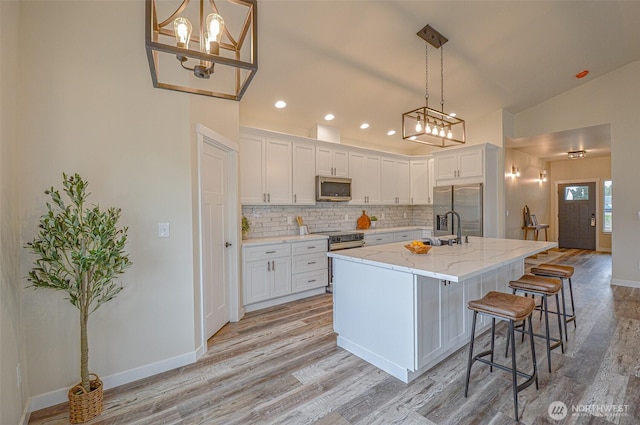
214,252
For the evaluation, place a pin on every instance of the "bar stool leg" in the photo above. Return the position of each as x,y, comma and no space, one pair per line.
493,335
514,374
573,308
470,362
533,351
559,323
564,313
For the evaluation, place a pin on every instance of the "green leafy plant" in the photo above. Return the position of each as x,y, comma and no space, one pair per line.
80,250
374,218
246,225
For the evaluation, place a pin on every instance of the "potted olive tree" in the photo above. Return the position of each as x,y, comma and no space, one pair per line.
80,250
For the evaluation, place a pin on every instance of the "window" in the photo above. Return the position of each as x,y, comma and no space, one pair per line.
576,193
606,219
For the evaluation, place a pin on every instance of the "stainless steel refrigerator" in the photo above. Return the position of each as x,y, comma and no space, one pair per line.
466,200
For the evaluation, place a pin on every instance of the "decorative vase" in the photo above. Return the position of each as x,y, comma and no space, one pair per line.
364,222
373,224
84,405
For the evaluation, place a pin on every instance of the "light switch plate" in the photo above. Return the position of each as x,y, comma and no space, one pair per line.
163,230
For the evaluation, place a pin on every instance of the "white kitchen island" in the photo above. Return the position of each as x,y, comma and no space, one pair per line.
405,312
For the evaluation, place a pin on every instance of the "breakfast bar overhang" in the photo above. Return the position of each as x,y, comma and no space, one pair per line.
404,313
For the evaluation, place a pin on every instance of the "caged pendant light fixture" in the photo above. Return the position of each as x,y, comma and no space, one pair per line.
203,47
426,125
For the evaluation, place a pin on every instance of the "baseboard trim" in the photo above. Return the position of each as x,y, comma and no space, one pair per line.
60,395
629,283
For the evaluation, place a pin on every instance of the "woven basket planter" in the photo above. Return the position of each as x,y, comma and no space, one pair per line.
85,405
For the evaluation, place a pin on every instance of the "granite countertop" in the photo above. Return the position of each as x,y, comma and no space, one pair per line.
453,263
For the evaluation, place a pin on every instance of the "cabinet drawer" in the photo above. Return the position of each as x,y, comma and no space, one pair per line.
310,280
306,263
267,251
378,239
407,236
309,247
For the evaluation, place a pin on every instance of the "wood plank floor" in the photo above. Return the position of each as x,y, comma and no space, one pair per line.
281,366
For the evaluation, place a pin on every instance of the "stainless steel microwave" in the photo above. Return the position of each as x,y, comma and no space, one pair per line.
333,189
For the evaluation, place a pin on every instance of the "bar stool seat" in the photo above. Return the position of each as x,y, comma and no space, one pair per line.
511,308
543,287
562,272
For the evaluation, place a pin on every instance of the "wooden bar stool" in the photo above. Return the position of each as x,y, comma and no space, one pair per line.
543,287
511,308
563,273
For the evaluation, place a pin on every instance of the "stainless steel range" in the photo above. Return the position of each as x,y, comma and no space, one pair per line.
338,240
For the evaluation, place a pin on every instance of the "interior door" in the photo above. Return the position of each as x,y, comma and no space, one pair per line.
577,215
214,250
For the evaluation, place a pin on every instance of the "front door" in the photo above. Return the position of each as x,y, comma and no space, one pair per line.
214,239
577,215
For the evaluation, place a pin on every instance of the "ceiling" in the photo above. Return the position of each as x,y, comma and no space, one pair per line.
363,62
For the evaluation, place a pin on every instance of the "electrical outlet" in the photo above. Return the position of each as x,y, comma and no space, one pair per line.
638,265
289,220
405,215
382,216
346,217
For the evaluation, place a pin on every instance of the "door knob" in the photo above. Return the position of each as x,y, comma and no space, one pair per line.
227,244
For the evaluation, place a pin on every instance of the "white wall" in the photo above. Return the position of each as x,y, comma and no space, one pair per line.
92,109
13,398
613,98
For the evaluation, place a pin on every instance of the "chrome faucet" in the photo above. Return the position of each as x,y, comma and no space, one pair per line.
459,233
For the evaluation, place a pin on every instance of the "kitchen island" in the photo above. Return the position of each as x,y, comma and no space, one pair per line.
404,312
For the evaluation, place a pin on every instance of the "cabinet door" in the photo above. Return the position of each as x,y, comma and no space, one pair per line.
419,182
429,319
252,186
358,179
324,161
403,182
378,238
341,163
446,165
280,277
257,282
278,172
455,313
304,173
431,181
372,178
388,181
470,163
408,235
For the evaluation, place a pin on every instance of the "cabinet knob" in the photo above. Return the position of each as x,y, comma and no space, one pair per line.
227,244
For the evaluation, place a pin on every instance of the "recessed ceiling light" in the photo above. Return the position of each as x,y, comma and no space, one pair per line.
280,104
582,74
391,132
329,117
364,126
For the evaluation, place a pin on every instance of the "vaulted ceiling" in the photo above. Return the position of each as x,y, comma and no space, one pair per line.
363,62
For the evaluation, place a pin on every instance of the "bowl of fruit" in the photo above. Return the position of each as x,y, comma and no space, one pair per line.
418,247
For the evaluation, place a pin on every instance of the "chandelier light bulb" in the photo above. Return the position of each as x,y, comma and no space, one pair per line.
214,23
427,128
418,125
442,132
182,29
434,131
449,134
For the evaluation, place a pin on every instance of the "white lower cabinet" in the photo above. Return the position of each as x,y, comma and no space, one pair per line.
280,270
441,317
378,238
409,235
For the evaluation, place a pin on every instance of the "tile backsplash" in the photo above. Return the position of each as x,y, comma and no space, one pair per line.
269,221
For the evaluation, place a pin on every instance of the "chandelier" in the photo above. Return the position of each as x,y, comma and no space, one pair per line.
214,42
426,125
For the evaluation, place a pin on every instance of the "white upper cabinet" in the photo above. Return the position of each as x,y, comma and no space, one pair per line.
364,170
266,172
420,182
462,164
304,166
396,181
332,161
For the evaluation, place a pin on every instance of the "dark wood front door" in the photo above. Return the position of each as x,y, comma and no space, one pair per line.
577,215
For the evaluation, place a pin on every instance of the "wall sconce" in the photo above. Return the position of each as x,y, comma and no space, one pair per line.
577,154
515,171
543,176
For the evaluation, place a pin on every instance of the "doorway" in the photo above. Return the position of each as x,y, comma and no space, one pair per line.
219,233
577,218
